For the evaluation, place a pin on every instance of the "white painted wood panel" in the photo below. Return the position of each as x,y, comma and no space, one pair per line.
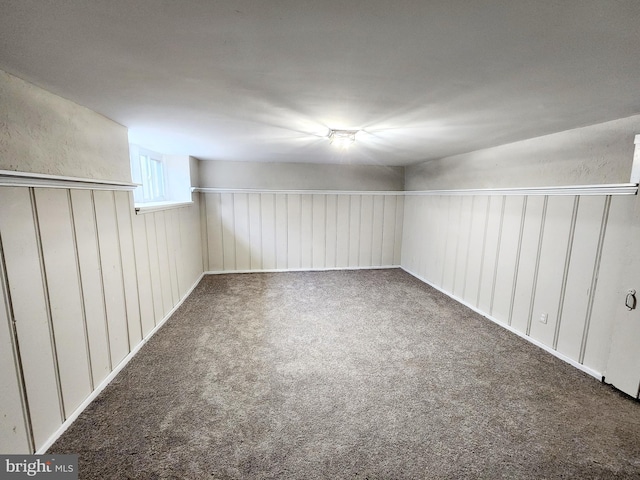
355,202
179,257
124,209
490,254
169,235
388,233
255,231
294,214
609,293
331,231
319,229
14,438
164,264
65,296
527,264
365,248
551,269
143,271
228,231
578,285
476,247
451,239
343,229
507,261
428,237
91,279
282,232
154,267
306,231
462,247
204,228
409,247
268,230
398,228
22,257
112,275
214,229
241,231
377,230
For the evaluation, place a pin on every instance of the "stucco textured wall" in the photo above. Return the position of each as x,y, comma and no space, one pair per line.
43,133
592,155
300,176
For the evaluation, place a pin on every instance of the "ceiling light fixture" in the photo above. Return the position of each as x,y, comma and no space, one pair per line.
342,138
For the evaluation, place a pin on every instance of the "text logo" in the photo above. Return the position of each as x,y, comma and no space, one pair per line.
52,467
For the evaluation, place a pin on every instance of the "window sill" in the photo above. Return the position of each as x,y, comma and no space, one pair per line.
142,208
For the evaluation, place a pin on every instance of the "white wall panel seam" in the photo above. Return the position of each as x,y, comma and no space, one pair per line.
102,289
484,246
565,273
148,250
537,264
135,269
82,297
594,278
446,242
47,302
261,232
497,258
523,216
124,293
15,347
466,261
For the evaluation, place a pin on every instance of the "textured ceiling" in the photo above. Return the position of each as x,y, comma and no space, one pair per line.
265,80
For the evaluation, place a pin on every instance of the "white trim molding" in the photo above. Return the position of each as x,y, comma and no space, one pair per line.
142,208
607,189
296,192
10,178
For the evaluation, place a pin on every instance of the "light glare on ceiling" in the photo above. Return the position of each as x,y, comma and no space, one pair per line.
342,138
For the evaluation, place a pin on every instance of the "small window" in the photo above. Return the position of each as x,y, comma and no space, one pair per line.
163,180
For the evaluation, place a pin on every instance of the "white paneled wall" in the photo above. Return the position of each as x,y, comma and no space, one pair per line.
517,257
83,280
253,231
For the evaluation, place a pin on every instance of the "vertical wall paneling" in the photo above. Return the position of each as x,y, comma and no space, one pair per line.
15,428
343,230
477,236
64,294
319,229
91,281
491,246
214,228
255,231
228,231
294,217
169,235
331,230
398,229
163,260
452,239
143,271
282,232
241,231
128,259
112,275
510,238
154,267
587,329
204,228
388,230
554,249
179,255
355,203
21,255
527,266
268,230
462,245
578,282
365,246
306,231
378,229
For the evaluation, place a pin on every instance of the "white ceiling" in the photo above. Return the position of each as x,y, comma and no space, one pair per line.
264,80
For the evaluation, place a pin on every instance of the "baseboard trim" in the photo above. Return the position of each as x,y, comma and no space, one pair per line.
284,270
76,413
546,348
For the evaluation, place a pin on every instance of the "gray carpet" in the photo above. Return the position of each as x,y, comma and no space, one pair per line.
348,374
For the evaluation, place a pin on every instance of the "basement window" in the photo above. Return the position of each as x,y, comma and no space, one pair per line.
164,181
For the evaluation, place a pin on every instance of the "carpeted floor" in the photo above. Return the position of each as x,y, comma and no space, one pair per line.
348,374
